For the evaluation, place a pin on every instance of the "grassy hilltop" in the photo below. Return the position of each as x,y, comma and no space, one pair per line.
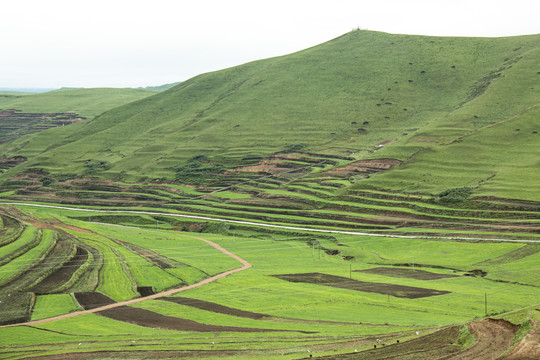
427,99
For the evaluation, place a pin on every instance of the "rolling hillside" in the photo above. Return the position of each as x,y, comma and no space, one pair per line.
85,102
28,113
425,101
371,197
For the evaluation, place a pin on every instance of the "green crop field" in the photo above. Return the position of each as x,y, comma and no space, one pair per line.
292,317
376,194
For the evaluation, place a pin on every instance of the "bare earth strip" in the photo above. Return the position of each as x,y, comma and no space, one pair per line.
493,338
245,265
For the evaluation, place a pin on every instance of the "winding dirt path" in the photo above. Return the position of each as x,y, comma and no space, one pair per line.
245,265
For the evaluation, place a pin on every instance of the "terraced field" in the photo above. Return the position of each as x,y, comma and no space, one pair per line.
408,264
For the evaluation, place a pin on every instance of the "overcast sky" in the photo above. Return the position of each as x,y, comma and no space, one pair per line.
117,43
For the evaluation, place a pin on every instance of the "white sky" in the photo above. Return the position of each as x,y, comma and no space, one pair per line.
119,43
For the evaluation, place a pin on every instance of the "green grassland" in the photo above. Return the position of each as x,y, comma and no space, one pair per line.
270,160
83,102
429,100
319,317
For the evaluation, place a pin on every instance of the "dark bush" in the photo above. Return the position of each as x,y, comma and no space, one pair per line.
455,195
96,166
46,181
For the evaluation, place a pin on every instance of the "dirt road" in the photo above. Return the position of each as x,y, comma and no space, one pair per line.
245,265
252,223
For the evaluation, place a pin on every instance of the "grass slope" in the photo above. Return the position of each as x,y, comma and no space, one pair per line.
84,102
425,98
24,114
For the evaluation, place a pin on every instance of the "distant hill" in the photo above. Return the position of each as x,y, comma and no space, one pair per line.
160,87
24,90
27,113
455,111
84,102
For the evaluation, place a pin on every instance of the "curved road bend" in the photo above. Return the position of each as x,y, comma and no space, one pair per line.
245,265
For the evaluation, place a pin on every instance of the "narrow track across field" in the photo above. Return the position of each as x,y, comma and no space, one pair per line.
245,265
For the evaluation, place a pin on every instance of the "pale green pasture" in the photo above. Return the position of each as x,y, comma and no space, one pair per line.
25,238
182,247
30,257
52,305
315,302
115,279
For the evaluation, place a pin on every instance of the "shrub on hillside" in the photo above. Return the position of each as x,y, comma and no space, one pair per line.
455,195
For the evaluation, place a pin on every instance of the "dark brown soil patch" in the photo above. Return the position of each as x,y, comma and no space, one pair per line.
145,290
152,319
401,291
92,300
363,166
62,275
135,354
217,308
437,345
406,273
54,258
281,163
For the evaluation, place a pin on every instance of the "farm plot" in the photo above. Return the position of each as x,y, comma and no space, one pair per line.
407,273
401,291
64,274
146,318
387,296
21,271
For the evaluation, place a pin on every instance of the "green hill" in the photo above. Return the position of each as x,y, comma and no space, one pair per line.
447,107
25,113
84,102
